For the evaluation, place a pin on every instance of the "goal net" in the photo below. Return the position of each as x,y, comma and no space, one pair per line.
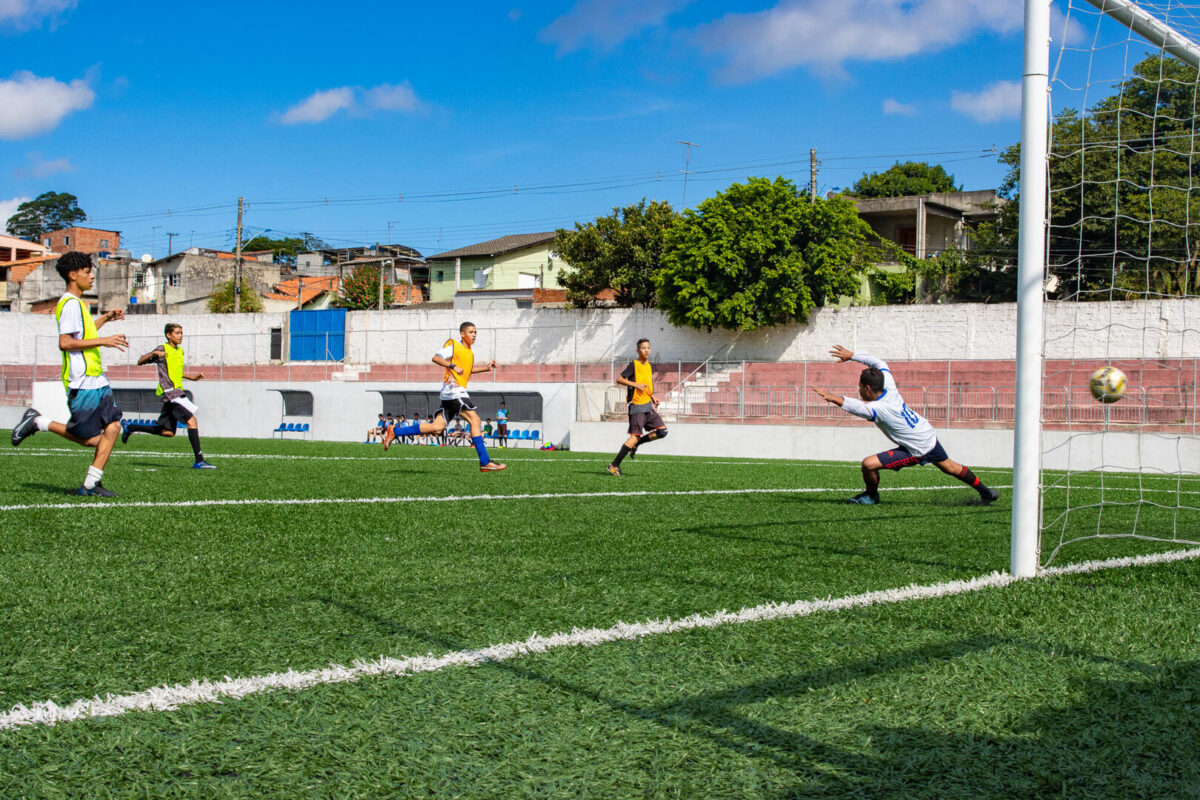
1119,275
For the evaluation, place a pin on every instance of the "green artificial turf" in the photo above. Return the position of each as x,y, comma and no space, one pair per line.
1032,689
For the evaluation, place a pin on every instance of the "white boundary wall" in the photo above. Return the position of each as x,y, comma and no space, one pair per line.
1141,329
1115,451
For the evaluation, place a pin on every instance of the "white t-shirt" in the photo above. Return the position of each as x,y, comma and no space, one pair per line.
450,388
891,414
70,322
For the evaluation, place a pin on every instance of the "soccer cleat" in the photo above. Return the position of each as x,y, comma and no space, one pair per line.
202,464
864,499
989,497
493,466
96,491
614,470
26,427
388,438
125,433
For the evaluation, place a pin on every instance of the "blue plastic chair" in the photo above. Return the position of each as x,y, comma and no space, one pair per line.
535,435
303,428
525,434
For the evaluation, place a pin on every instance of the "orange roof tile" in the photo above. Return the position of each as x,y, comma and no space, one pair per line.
312,289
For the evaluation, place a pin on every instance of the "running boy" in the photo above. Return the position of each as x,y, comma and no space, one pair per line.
176,408
95,418
643,406
915,439
459,363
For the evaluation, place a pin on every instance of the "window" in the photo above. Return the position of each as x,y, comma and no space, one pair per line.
139,278
439,277
480,279
173,279
46,241
276,344
104,244
66,241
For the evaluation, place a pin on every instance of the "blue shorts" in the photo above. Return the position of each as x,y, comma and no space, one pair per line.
92,410
899,458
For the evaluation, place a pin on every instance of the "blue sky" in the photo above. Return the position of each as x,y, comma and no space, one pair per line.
449,123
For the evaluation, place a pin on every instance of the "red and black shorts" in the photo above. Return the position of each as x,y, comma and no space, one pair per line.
899,458
644,421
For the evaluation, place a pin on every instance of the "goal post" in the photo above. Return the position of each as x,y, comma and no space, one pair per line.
1134,175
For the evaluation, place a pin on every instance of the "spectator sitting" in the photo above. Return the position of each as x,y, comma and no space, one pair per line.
375,432
487,428
459,435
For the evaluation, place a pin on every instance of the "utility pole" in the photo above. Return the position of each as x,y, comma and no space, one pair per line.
812,175
237,265
171,243
687,162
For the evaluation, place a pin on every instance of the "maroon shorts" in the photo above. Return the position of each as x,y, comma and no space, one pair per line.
899,458
645,421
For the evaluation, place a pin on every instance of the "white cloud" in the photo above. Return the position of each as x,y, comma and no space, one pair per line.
34,105
8,208
1000,100
319,106
387,97
41,168
607,23
25,14
824,34
894,106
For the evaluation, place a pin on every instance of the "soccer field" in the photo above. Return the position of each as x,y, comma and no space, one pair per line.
421,577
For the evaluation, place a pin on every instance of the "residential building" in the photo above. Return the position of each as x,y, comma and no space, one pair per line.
15,249
83,240
184,282
499,273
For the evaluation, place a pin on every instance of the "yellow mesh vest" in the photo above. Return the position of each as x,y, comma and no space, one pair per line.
462,357
91,356
174,357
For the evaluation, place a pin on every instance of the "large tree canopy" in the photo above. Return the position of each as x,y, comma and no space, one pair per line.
758,255
622,251
1124,216
899,180
49,211
221,301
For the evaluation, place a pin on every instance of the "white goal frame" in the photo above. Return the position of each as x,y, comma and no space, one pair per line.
1032,256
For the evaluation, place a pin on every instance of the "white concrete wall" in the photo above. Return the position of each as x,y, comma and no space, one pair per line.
342,412
1117,450
1143,329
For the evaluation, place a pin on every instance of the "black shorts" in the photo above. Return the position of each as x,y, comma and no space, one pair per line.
452,408
92,410
645,421
172,414
899,458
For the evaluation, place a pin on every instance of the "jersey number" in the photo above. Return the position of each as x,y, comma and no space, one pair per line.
909,415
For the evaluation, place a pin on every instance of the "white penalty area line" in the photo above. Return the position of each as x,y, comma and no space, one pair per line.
172,697
317,501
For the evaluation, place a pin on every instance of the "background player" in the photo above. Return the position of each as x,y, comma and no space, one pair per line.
176,408
459,362
916,441
95,418
638,377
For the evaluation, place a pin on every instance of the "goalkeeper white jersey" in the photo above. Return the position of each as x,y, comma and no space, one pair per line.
891,414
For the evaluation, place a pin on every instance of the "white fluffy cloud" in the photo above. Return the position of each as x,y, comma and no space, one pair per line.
42,168
1000,100
607,23
320,106
34,105
824,34
23,14
894,106
8,208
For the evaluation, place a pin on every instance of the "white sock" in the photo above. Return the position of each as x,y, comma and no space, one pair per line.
93,477
42,422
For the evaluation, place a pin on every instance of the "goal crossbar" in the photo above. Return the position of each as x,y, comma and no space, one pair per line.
1152,29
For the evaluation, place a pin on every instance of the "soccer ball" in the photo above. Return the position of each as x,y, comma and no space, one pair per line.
1107,384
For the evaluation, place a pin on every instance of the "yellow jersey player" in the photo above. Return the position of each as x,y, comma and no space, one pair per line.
459,362
177,408
645,425
95,418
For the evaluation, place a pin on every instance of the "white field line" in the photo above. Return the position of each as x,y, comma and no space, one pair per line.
172,697
316,501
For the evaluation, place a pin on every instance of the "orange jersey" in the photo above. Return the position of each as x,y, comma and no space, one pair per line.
462,357
639,373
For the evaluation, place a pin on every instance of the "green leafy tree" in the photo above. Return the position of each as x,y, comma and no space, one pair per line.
899,180
1123,222
622,251
758,255
49,211
359,290
285,249
221,301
